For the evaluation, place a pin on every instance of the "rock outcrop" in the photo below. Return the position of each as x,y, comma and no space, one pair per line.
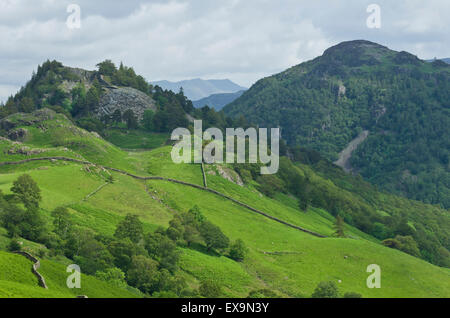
26,119
124,98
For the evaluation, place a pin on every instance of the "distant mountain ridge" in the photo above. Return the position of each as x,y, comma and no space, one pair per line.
217,101
446,60
197,88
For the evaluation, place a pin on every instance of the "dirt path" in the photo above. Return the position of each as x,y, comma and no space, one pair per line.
346,154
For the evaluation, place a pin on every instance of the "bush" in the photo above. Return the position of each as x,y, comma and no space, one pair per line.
238,250
326,290
14,246
405,244
130,227
143,274
210,289
213,236
114,276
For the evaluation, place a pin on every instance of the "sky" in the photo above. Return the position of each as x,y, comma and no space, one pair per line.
242,40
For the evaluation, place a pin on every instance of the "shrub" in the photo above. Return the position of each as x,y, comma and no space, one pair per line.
14,246
405,244
130,227
210,289
213,236
27,191
326,290
238,250
113,276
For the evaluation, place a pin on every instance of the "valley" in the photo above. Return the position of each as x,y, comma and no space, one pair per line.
96,186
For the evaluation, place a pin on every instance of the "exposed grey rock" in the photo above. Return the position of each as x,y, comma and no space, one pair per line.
125,98
24,150
17,134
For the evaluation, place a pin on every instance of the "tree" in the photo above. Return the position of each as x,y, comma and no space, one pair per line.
107,67
130,119
14,245
326,290
301,188
130,227
210,289
147,120
161,248
186,225
113,276
170,283
26,105
339,227
175,231
238,250
143,274
19,222
123,251
90,254
213,236
78,100
62,222
405,244
117,116
92,99
197,214
392,243
27,190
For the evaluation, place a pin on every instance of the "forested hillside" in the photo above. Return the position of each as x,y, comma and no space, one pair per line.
403,103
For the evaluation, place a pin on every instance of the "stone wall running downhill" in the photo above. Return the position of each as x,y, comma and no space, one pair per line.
34,268
204,188
205,184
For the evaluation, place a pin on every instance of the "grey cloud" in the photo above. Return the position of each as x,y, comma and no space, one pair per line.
243,40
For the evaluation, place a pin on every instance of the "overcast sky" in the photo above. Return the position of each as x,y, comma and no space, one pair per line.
243,40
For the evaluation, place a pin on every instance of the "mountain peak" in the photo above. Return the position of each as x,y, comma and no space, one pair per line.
356,53
355,45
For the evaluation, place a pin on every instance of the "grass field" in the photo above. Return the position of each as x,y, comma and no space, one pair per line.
283,259
17,280
135,139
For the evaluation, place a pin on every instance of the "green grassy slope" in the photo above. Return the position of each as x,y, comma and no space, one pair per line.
17,280
280,258
304,260
135,139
